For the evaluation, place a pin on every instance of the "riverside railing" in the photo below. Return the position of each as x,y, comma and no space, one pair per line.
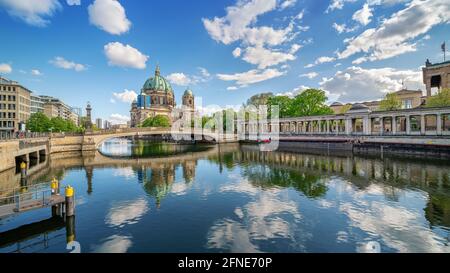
21,135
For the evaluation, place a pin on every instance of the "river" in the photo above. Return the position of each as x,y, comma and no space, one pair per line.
140,196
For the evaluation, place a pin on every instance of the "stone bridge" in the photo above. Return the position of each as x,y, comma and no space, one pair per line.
34,150
93,140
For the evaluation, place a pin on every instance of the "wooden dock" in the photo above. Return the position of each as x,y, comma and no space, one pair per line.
31,204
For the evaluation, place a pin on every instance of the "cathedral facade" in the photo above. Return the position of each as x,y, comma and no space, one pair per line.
157,98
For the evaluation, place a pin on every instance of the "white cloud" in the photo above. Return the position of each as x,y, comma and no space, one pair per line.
310,75
114,244
324,59
363,15
238,25
359,84
264,58
211,109
386,2
395,35
182,79
127,96
294,92
65,64
259,219
73,2
127,212
109,15
321,60
232,88
343,28
5,68
125,56
237,52
36,72
295,48
32,12
251,76
204,72
287,4
179,79
337,4
118,119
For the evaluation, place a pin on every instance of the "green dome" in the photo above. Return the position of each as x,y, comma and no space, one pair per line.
188,92
158,83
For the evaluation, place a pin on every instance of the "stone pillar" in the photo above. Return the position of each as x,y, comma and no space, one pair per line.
428,86
368,125
381,125
394,125
439,124
328,126
422,125
408,125
348,126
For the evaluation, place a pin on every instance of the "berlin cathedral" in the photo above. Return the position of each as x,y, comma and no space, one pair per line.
157,98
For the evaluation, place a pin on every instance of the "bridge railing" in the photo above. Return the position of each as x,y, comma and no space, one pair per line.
21,135
16,200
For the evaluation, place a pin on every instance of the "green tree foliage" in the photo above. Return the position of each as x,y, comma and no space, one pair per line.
284,103
157,121
259,99
38,122
229,118
390,102
345,108
310,102
441,99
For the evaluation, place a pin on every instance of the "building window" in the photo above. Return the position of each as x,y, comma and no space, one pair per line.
430,122
407,104
446,122
415,123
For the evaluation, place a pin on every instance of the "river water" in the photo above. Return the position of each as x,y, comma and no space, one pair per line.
138,196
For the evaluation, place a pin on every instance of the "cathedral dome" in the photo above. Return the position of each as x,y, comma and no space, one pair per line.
158,83
188,92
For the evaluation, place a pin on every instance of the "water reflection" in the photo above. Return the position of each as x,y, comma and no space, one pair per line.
233,198
127,213
125,147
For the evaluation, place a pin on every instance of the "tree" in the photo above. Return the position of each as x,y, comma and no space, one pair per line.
38,122
284,103
259,99
441,99
345,108
310,102
157,121
390,102
58,125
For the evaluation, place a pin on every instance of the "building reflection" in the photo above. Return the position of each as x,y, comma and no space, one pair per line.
306,173
158,180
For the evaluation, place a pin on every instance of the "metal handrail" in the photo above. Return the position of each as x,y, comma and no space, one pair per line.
34,195
15,189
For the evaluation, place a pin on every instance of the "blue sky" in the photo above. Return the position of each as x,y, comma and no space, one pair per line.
102,51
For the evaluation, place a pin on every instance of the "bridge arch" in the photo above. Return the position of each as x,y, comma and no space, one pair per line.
98,138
